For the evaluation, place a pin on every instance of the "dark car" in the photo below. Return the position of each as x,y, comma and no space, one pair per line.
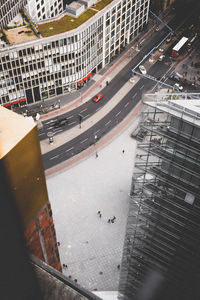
61,122
174,78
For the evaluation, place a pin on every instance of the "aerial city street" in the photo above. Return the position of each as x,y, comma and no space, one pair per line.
80,70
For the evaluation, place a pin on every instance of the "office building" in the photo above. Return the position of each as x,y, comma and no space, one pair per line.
161,256
48,59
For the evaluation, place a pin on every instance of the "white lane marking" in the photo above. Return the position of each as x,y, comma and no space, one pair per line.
56,131
50,127
70,117
50,121
83,110
126,104
72,123
134,95
97,131
142,87
53,157
86,116
41,133
108,123
69,149
83,141
118,113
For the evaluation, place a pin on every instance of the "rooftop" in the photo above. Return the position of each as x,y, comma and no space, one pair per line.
75,4
20,35
67,22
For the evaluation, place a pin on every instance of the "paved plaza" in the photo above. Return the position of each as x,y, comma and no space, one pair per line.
89,245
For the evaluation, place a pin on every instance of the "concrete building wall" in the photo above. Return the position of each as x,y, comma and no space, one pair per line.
9,9
44,9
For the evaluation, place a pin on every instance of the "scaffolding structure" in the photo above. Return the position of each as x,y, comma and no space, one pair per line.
162,243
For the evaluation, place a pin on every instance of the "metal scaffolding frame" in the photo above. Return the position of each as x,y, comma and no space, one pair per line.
163,227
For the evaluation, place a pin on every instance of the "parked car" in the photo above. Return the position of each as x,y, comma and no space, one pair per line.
97,97
175,78
142,70
178,86
161,58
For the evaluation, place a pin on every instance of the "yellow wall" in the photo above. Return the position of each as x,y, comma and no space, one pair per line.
23,167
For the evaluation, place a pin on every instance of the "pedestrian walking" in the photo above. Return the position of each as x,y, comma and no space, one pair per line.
123,151
100,215
75,280
98,212
118,267
96,155
109,220
58,243
113,219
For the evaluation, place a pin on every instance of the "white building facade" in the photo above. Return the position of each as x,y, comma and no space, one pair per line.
55,65
44,9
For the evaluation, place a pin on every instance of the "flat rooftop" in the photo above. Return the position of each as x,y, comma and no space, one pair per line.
75,4
67,22
15,37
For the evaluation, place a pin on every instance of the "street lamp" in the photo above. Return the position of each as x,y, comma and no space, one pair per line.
95,139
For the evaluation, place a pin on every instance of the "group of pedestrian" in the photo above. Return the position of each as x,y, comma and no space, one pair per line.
112,220
65,266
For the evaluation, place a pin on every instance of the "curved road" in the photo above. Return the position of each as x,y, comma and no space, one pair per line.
115,116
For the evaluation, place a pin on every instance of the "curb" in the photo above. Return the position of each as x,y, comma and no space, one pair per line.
113,133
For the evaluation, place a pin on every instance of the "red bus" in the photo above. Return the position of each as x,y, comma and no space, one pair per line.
179,47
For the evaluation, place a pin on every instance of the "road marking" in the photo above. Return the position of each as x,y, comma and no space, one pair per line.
134,95
86,116
70,117
108,123
69,149
50,121
126,104
118,113
57,131
72,123
83,141
142,87
83,110
97,131
50,127
53,157
41,133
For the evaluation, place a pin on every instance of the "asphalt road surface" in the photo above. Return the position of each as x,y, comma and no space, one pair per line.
114,117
